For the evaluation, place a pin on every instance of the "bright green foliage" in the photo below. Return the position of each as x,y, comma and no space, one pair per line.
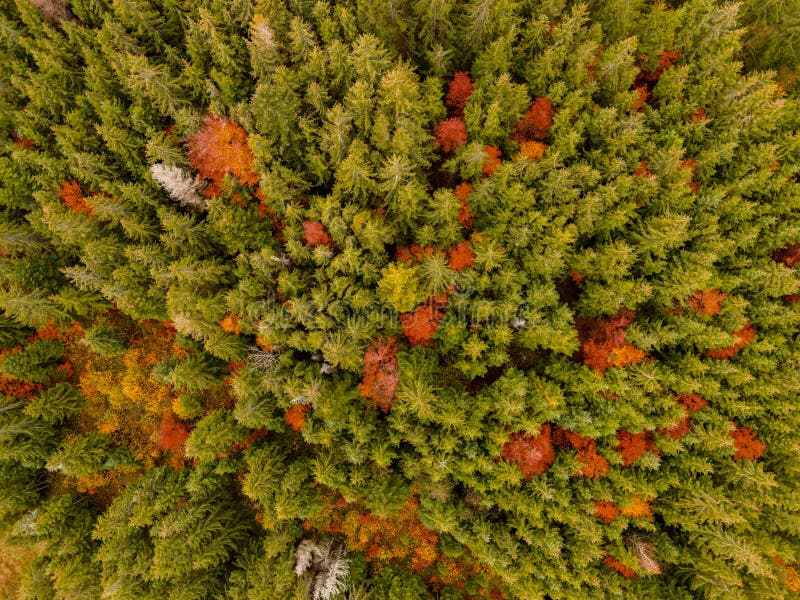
64,524
24,440
214,436
89,454
158,539
552,299
197,372
281,486
11,333
35,363
104,341
56,404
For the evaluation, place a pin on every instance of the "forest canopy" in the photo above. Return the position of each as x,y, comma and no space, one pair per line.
399,300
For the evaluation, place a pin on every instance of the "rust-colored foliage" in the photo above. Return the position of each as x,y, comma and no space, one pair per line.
603,342
699,115
396,538
692,402
252,438
638,508
789,574
276,223
21,142
788,255
393,538
789,299
594,464
648,79
623,570
413,253
746,444
641,170
493,160
401,538
707,302
451,133
462,192
591,66
642,94
421,325
15,562
676,432
173,432
230,324
315,234
13,388
625,355
536,123
632,446
607,511
73,198
65,370
23,390
50,332
667,59
461,256
576,277
220,148
690,165
533,454
380,377
743,337
533,150
296,416
122,397
458,92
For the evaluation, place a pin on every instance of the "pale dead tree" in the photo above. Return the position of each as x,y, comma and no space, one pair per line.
325,566
54,11
282,260
181,185
263,360
518,323
645,551
262,36
327,369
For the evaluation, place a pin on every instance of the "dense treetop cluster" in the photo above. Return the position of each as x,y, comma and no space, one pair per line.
399,300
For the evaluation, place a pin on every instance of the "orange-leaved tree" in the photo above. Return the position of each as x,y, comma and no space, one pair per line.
221,148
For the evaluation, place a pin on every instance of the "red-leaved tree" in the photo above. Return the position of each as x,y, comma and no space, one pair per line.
461,256
73,198
380,376
533,454
458,92
295,417
743,337
172,433
462,192
451,133
315,234
420,325
746,444
594,464
536,123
